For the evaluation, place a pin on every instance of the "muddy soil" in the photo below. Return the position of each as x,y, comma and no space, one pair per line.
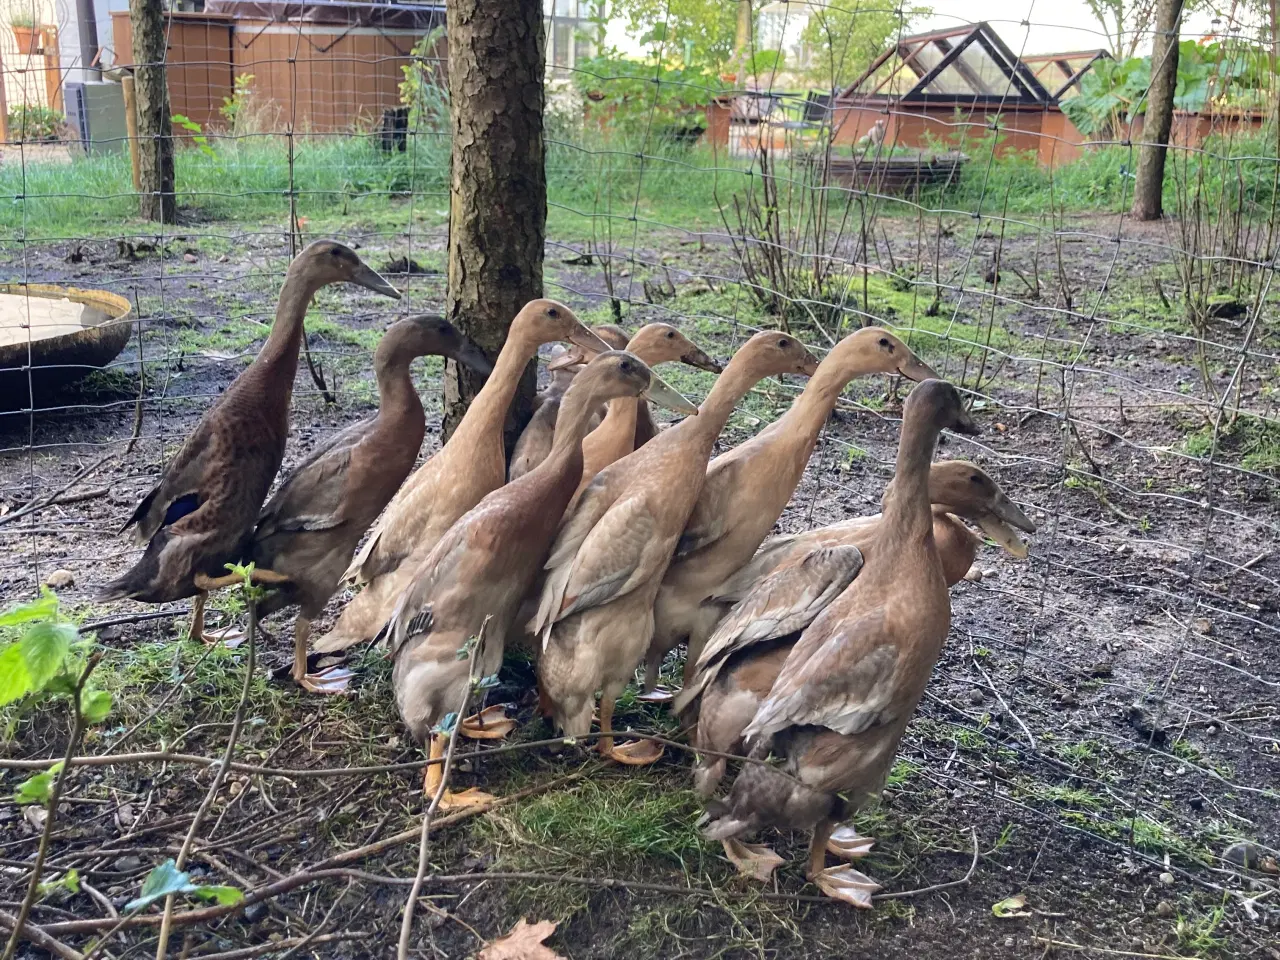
1103,724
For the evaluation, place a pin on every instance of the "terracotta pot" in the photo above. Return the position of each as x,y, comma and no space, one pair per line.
28,39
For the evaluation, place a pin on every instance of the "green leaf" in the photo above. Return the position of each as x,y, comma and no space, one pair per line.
69,883
1011,907
42,609
222,895
15,680
95,706
161,881
36,789
167,879
44,647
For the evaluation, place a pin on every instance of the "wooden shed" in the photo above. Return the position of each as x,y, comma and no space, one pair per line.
317,67
949,86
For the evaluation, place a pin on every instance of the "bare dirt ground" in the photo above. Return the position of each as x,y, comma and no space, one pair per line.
1104,724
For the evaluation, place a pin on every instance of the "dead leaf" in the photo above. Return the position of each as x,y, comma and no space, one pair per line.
524,942
1011,907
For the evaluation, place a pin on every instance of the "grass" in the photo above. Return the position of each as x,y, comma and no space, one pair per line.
1251,441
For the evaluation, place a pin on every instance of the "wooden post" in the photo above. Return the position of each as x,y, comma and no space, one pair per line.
1148,189
155,136
4,107
131,127
498,185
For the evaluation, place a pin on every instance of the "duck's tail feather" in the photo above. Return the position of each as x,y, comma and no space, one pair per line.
363,617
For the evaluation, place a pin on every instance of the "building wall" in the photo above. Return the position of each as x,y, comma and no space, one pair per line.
917,127
340,78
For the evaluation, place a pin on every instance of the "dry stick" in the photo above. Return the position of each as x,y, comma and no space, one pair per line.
262,949
51,811
163,946
39,937
1067,945
424,845
163,756
40,504
1007,709
325,869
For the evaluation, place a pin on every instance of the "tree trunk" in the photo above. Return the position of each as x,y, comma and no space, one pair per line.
155,136
498,185
1149,188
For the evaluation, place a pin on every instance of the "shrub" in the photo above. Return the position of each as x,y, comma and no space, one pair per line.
32,124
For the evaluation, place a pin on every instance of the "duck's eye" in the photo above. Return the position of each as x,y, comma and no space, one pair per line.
335,251
975,478
553,313
783,344
625,366
671,334
884,342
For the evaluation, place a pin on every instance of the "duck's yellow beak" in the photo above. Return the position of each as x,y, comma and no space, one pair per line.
999,523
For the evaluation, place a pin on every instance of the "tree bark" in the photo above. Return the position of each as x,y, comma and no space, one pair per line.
155,136
498,185
1149,189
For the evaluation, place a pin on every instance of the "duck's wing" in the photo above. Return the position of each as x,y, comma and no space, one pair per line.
313,496
614,556
846,682
438,574
772,554
785,601
706,524
383,550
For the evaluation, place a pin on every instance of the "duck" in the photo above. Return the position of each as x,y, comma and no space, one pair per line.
472,582
615,437
311,526
595,613
534,442
746,491
469,466
201,514
845,692
793,579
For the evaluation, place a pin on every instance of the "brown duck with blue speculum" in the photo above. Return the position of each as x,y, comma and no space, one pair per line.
202,513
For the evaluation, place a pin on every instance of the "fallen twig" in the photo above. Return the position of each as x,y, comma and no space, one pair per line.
325,869
39,504
1031,740
51,811
1067,945
164,756
424,843
39,937
236,721
262,949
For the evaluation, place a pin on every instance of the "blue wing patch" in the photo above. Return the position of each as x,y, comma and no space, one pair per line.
180,508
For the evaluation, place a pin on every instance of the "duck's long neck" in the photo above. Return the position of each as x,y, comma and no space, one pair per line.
908,510
562,469
398,401
957,546
488,410
730,387
286,331
809,412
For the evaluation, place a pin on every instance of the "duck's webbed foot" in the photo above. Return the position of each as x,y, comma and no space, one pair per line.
491,723
754,860
846,843
847,884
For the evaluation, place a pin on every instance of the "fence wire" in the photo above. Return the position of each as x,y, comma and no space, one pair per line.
1109,709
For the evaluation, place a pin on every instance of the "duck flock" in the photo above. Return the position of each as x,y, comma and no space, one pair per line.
603,546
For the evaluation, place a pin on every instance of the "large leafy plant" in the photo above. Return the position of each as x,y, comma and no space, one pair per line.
1114,92
642,97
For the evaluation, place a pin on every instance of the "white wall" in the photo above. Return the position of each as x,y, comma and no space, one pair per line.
69,35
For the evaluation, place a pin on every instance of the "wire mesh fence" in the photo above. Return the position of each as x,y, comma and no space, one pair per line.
1105,715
